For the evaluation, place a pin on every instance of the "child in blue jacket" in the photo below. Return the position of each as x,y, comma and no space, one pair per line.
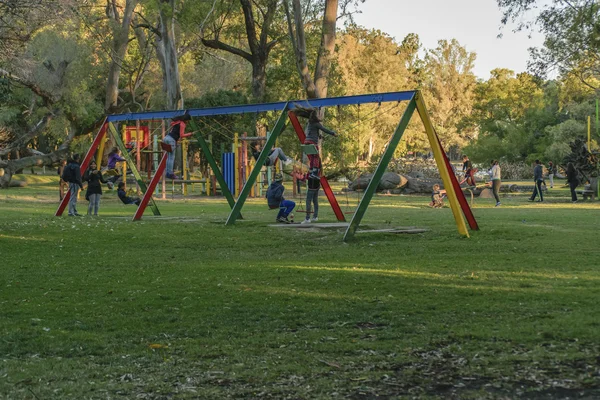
275,199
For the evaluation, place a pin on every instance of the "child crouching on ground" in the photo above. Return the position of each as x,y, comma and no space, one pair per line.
275,199
437,197
126,199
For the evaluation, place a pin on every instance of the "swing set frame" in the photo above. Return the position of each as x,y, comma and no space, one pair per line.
457,200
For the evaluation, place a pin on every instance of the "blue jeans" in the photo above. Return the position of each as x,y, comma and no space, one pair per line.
285,208
171,154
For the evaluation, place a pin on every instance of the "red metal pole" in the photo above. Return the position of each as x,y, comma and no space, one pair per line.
151,186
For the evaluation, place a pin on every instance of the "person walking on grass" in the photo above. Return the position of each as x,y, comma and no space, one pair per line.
538,179
95,180
573,180
312,198
72,175
496,181
552,170
275,199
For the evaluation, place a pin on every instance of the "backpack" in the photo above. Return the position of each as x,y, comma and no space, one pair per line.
68,175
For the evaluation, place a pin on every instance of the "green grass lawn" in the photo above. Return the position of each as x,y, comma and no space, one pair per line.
182,306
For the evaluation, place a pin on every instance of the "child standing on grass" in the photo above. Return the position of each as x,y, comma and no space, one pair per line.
312,198
94,179
123,195
275,199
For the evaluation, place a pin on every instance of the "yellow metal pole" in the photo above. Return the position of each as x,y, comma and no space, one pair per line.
439,159
123,137
589,133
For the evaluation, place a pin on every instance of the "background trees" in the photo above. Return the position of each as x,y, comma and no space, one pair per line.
65,63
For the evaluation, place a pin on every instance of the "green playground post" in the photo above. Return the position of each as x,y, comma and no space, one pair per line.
383,163
132,166
213,165
235,211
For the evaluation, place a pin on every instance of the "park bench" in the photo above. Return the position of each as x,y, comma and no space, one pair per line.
587,193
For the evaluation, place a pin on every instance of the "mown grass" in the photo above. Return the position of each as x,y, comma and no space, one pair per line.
185,307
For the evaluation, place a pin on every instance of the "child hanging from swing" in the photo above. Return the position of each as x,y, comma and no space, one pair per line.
274,154
127,199
169,143
312,131
275,199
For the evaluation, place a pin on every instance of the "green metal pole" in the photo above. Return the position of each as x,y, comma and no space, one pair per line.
383,163
131,164
257,167
213,164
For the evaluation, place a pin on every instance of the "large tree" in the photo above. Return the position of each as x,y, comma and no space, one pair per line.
572,35
254,42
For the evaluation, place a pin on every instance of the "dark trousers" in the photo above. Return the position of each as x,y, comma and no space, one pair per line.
573,186
538,189
496,189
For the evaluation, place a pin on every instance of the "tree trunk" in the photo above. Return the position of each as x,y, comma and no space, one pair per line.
326,49
118,51
259,78
166,52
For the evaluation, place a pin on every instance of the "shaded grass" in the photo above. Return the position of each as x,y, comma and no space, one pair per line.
186,307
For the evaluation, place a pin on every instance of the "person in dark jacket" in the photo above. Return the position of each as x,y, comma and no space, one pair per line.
95,180
275,199
312,131
573,180
72,175
123,195
538,179
312,198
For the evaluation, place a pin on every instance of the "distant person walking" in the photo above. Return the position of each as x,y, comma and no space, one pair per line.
573,180
551,173
496,181
538,179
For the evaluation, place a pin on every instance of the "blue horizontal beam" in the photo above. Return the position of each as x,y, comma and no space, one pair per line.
257,108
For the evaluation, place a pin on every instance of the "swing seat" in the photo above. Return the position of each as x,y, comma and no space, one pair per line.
309,149
166,147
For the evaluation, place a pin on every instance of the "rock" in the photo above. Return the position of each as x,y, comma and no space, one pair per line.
389,180
416,185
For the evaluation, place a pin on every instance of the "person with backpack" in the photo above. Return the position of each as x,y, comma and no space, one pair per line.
94,179
72,175
275,199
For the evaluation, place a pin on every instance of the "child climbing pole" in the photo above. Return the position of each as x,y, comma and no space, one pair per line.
169,144
313,129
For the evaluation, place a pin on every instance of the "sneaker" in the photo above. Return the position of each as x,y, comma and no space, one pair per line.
530,199
498,204
306,221
314,219
172,176
283,220
574,201
288,161
77,214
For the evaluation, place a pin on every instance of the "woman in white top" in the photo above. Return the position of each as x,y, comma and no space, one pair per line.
496,180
